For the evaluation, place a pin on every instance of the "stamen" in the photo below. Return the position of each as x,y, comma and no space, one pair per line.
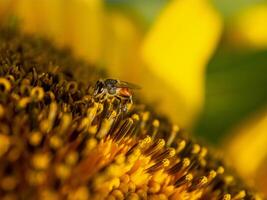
173,134
183,180
180,166
155,128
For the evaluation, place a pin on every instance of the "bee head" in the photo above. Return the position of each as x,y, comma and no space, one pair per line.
111,86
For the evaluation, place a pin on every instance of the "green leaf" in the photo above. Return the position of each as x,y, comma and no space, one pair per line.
230,7
236,86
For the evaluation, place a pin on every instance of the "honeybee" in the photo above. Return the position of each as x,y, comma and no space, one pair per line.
121,90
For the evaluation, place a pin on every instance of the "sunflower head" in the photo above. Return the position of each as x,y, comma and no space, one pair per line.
58,142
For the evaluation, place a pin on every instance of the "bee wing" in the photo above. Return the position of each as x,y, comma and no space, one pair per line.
124,84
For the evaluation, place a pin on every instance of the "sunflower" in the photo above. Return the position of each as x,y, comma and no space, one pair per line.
164,46
59,142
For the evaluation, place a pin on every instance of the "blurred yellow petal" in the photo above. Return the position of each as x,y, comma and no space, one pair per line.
25,10
44,17
6,6
76,23
84,22
122,42
249,27
247,148
178,48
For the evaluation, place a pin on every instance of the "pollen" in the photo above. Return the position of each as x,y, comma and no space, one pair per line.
5,85
40,161
4,144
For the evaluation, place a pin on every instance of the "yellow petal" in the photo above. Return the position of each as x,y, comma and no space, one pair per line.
84,22
25,10
123,39
6,8
249,27
178,48
247,148
44,18
75,23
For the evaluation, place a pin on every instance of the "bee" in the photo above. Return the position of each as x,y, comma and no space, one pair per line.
121,90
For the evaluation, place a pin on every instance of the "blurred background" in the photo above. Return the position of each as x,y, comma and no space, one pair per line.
203,63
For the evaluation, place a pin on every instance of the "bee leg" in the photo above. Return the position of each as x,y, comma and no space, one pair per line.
123,107
130,100
128,104
100,98
120,103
